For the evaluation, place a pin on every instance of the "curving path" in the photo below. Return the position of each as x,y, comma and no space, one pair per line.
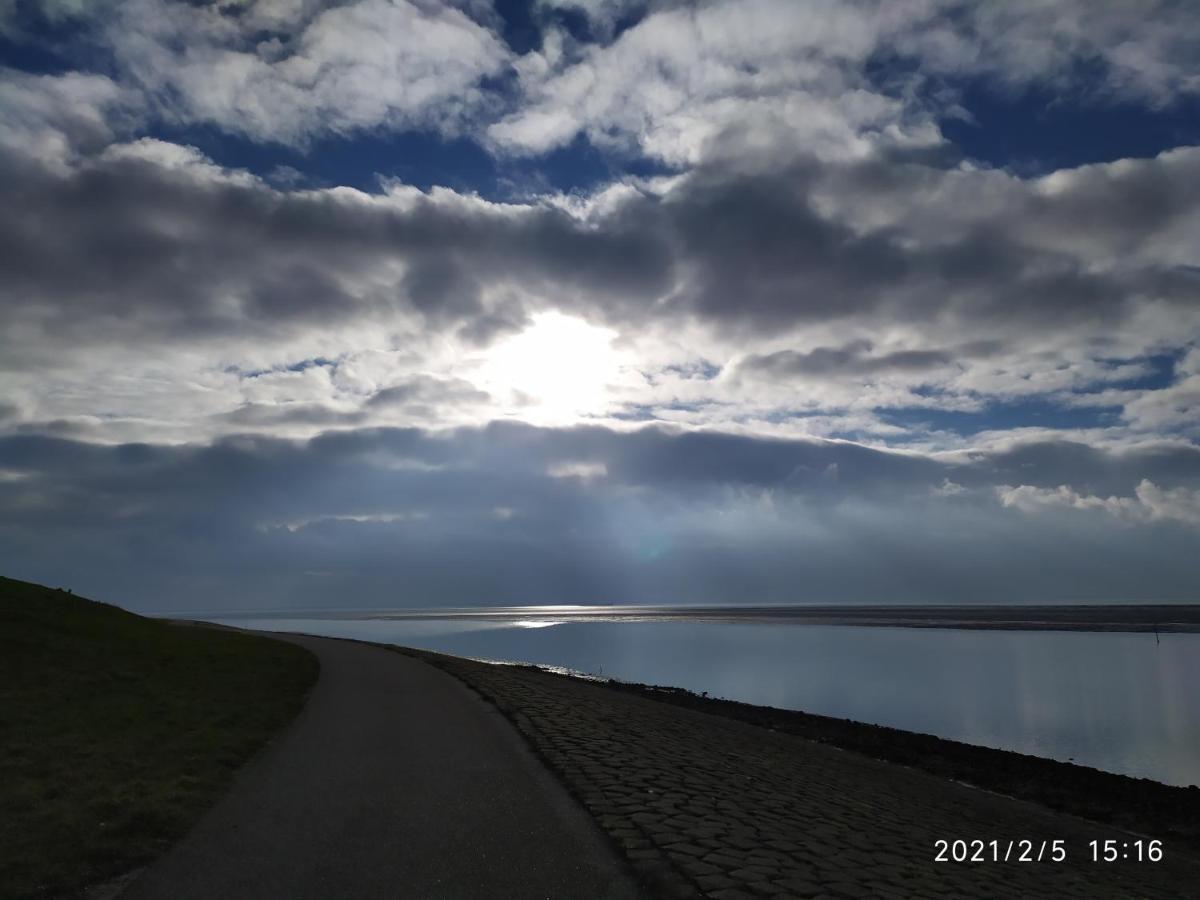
394,781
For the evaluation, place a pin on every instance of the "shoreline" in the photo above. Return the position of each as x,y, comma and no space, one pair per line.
724,799
1134,803
1132,618
1140,805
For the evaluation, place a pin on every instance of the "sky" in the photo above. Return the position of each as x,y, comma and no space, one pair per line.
385,303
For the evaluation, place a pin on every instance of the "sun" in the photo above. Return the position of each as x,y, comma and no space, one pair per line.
558,367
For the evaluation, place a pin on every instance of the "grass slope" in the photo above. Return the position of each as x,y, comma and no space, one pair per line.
117,731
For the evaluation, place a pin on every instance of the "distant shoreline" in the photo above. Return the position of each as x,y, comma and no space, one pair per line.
1144,618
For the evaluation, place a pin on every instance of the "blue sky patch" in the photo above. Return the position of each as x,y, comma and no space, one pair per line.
1033,413
1035,131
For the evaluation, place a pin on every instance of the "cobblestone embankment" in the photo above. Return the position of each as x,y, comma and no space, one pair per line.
707,806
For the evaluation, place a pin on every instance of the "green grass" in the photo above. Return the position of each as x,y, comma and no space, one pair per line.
117,731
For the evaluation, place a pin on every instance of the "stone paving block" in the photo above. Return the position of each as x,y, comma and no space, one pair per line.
643,853
732,894
765,889
724,859
754,813
754,873
847,889
687,849
715,882
692,867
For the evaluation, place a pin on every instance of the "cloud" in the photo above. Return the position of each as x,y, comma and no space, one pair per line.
850,359
149,220
255,375
407,516
680,82
604,16
1180,504
425,389
825,292
686,79
344,68
1148,503
684,75
1029,499
1143,52
1175,408
54,117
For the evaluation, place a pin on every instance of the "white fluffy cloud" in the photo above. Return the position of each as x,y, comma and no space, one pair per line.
1149,502
684,76
53,118
1143,51
1174,407
683,81
369,64
690,76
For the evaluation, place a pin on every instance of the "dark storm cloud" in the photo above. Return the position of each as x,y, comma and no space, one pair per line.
850,359
1124,204
426,389
1092,470
422,395
760,256
488,516
177,249
270,415
759,253
162,244
474,467
440,288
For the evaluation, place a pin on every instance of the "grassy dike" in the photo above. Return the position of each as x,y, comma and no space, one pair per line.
118,731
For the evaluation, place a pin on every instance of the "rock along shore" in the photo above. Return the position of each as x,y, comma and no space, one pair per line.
707,805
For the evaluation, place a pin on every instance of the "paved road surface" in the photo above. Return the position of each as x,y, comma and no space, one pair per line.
394,781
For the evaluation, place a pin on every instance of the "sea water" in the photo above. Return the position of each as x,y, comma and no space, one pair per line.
1122,702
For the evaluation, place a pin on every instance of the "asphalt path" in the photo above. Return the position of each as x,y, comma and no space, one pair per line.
394,781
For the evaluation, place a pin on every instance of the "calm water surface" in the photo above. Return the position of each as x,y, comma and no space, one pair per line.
1115,701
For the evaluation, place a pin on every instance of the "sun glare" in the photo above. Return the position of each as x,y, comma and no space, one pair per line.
559,366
